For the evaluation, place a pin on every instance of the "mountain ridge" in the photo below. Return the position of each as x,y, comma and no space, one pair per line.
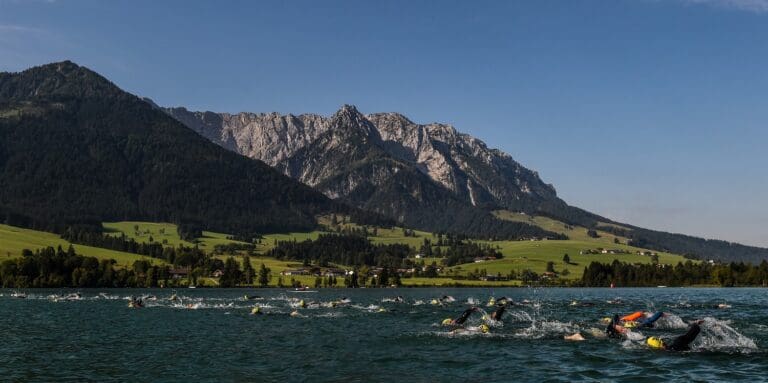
477,176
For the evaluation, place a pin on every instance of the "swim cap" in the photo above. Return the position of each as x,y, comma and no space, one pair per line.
255,310
447,322
655,342
484,328
605,320
630,324
491,301
302,303
435,302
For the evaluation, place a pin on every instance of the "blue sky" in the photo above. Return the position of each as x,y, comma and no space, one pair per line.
651,112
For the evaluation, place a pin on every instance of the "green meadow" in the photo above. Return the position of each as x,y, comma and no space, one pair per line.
13,240
518,255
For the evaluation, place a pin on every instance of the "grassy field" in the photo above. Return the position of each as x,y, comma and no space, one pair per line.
534,255
577,233
518,255
164,233
13,240
427,282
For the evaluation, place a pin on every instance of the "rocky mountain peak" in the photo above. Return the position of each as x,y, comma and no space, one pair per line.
314,149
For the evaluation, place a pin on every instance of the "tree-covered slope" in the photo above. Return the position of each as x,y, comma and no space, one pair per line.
75,149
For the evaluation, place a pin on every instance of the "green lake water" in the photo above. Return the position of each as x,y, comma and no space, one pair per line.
210,335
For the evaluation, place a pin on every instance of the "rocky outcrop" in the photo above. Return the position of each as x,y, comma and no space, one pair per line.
317,149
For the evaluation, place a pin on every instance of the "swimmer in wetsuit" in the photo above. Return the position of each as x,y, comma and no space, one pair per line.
681,343
461,319
496,315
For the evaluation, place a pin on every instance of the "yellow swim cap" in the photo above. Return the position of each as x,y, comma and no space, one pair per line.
255,310
491,301
447,321
655,342
484,328
435,302
606,320
630,324
302,303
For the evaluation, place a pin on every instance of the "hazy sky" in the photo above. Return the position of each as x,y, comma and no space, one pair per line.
651,112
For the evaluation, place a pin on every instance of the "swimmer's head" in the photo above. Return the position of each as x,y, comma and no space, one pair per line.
654,342
484,328
447,322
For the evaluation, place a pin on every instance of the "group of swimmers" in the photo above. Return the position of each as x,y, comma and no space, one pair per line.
619,327
616,327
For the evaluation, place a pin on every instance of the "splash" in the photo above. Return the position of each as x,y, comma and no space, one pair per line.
670,321
717,335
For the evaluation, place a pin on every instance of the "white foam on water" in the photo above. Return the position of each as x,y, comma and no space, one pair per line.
717,335
544,328
670,321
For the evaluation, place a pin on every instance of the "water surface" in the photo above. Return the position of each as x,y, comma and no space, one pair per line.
210,335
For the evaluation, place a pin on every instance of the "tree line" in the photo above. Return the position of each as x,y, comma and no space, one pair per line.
683,274
51,267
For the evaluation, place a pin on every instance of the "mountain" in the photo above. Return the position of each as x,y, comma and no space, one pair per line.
75,149
425,176
350,158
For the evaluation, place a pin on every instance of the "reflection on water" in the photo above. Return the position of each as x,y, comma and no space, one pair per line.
374,335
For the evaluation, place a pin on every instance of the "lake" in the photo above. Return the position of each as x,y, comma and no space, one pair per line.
210,335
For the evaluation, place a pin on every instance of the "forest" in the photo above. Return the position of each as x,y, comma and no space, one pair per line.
683,274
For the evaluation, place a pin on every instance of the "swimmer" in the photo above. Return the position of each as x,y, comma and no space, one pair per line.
483,329
496,315
462,318
577,337
614,329
641,319
681,343
136,303
256,311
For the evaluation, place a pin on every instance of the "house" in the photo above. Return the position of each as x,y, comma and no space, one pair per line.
217,273
549,274
335,273
179,272
295,272
483,259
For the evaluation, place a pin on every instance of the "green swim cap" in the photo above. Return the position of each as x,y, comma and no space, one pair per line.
484,328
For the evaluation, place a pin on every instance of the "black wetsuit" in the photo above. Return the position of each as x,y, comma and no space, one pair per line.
464,316
610,330
498,313
682,342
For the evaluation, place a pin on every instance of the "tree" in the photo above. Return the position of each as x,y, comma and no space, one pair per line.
264,276
231,275
551,267
248,271
592,234
566,258
654,258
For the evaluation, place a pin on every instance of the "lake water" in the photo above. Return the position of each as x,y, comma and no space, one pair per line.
210,335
